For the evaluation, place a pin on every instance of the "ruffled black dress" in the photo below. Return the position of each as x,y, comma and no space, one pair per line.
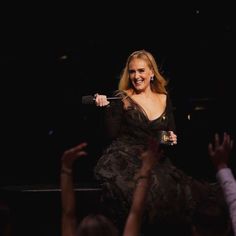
173,195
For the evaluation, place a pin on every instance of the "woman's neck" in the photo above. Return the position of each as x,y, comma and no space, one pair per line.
145,93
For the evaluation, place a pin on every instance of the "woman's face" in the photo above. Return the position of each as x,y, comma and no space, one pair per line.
139,74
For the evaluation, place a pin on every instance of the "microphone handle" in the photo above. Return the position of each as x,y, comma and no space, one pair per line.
113,98
89,99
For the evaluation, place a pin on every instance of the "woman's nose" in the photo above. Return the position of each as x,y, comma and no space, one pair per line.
136,75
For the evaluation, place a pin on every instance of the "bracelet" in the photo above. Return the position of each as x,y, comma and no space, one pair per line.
65,170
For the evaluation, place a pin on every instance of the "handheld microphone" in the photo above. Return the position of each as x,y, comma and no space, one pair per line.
89,99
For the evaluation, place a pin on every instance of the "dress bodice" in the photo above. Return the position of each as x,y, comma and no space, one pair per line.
132,121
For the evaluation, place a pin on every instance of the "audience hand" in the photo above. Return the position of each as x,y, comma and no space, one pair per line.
69,156
219,152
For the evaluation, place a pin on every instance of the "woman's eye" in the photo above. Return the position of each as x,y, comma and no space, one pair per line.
141,70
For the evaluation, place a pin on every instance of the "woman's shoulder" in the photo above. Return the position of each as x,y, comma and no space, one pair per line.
162,97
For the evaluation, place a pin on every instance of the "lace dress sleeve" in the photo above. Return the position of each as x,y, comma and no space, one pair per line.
170,112
112,119
113,114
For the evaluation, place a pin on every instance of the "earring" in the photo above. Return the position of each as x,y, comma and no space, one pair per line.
152,79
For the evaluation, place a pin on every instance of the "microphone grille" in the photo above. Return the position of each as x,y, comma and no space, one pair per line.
88,99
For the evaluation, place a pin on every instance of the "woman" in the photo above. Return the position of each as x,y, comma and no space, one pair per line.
143,110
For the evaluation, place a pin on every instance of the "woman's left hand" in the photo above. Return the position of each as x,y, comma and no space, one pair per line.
173,137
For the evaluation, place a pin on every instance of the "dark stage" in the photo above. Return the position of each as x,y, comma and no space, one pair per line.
49,60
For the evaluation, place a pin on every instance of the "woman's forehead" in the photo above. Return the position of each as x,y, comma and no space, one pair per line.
138,62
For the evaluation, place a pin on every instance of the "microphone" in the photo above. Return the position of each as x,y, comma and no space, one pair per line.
89,99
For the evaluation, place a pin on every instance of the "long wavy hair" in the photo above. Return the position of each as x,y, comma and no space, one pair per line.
158,84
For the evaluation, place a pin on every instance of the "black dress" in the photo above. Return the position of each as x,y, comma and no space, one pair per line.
171,198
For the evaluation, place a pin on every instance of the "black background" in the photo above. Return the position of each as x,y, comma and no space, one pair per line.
53,55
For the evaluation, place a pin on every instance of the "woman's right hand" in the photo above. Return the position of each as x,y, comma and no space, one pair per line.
101,100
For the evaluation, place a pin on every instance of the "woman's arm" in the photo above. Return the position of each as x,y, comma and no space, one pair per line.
111,114
171,121
170,113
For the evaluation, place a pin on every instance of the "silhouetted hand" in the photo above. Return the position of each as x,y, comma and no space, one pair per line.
220,152
69,156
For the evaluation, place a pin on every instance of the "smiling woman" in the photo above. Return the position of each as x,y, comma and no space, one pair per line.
143,110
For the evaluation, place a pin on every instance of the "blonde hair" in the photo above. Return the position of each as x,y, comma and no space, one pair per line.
157,85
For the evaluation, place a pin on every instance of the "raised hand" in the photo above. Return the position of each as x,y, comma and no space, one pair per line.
219,152
69,156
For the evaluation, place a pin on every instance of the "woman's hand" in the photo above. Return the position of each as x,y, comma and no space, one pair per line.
173,137
101,100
